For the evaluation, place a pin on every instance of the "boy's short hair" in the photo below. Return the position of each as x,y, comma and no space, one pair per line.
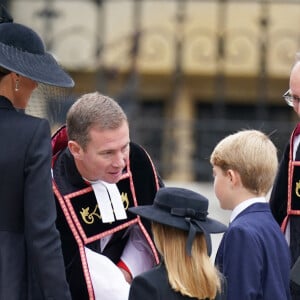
252,154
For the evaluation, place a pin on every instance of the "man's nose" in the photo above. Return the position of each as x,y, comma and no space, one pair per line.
119,160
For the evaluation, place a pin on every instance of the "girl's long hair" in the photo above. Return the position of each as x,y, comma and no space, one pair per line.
193,276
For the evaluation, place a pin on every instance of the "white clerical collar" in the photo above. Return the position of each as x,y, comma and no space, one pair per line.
109,201
243,205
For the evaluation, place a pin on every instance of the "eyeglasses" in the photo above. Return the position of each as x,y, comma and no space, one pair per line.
289,98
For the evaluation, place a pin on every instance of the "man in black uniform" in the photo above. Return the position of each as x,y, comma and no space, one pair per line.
284,200
98,173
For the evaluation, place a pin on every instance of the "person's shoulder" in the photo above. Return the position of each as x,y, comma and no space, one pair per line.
253,220
40,124
157,274
136,149
29,123
142,166
30,118
138,154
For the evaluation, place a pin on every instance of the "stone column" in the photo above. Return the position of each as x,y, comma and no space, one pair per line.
179,142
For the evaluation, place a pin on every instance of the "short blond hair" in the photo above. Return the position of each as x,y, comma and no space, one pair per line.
252,154
193,276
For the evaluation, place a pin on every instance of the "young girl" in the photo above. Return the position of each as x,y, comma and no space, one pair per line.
181,232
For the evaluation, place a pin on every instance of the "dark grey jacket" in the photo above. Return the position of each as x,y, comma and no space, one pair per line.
31,262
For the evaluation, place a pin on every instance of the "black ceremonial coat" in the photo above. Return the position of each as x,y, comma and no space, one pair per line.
285,200
31,262
137,186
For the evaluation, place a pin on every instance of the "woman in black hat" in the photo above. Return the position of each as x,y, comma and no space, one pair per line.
181,231
31,262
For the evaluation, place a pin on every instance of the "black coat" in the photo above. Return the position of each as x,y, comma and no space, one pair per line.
279,201
154,285
31,262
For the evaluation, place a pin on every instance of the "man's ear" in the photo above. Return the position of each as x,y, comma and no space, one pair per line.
75,149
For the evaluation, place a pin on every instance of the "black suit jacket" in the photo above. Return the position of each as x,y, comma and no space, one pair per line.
31,262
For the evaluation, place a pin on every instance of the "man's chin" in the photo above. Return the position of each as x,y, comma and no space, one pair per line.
114,178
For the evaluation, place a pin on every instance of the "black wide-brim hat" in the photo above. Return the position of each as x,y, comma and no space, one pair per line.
22,51
183,209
